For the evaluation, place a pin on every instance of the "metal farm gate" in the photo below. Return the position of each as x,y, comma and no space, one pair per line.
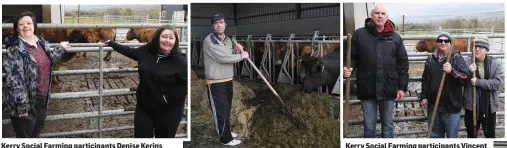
101,92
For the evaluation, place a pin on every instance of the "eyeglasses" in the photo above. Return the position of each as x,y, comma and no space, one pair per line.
479,47
443,41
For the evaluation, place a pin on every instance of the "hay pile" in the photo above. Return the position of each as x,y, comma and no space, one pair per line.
257,117
273,128
241,113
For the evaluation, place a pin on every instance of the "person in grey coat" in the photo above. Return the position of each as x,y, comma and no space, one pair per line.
219,58
488,81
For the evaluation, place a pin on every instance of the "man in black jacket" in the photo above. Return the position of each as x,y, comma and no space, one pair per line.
448,112
381,61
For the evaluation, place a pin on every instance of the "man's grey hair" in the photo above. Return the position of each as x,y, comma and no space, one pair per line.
375,6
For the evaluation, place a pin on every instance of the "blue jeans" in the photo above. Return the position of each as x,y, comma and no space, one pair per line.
386,111
445,125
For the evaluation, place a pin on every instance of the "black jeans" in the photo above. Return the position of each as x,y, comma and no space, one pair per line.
163,119
31,128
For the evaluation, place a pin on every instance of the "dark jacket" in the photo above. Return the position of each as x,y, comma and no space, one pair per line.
161,81
20,67
452,91
380,60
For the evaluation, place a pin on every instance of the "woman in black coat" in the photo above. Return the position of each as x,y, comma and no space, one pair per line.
162,86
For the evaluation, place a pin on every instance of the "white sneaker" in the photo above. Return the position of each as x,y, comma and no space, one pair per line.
234,142
234,135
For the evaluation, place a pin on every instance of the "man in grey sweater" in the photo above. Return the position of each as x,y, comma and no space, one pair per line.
219,58
488,81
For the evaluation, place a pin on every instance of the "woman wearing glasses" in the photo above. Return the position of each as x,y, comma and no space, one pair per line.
447,118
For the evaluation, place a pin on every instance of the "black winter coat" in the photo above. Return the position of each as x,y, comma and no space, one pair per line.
161,81
380,60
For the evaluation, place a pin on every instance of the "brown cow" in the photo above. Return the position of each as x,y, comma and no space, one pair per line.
307,49
429,45
143,35
55,35
73,36
104,34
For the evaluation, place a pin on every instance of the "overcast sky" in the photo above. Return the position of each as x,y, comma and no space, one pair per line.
416,9
85,7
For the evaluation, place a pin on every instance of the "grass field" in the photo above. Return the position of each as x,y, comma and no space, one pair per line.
70,20
99,20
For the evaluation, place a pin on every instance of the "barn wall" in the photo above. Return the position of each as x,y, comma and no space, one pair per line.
11,11
169,10
201,18
348,18
283,19
259,19
361,12
56,14
306,27
46,13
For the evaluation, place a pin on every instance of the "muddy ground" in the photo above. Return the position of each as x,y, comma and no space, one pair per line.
407,109
90,82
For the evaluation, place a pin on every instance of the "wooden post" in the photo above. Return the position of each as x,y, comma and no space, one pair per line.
347,89
474,95
78,11
403,26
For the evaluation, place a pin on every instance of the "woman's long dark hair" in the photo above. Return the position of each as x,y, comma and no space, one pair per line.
155,41
21,15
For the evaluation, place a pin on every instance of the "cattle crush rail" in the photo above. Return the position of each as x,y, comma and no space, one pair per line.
101,92
288,72
422,56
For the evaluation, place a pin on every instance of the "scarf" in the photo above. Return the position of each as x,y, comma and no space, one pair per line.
482,95
162,55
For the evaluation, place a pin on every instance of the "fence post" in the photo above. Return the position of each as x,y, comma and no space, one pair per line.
468,45
101,83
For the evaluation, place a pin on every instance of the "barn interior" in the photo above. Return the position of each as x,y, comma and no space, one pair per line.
278,37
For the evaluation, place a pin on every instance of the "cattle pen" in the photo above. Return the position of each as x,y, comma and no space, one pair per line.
268,52
108,94
279,59
410,117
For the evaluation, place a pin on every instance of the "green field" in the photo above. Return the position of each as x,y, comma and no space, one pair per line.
70,20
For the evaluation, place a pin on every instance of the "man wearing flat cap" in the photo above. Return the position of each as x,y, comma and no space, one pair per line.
219,58
488,81
447,117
